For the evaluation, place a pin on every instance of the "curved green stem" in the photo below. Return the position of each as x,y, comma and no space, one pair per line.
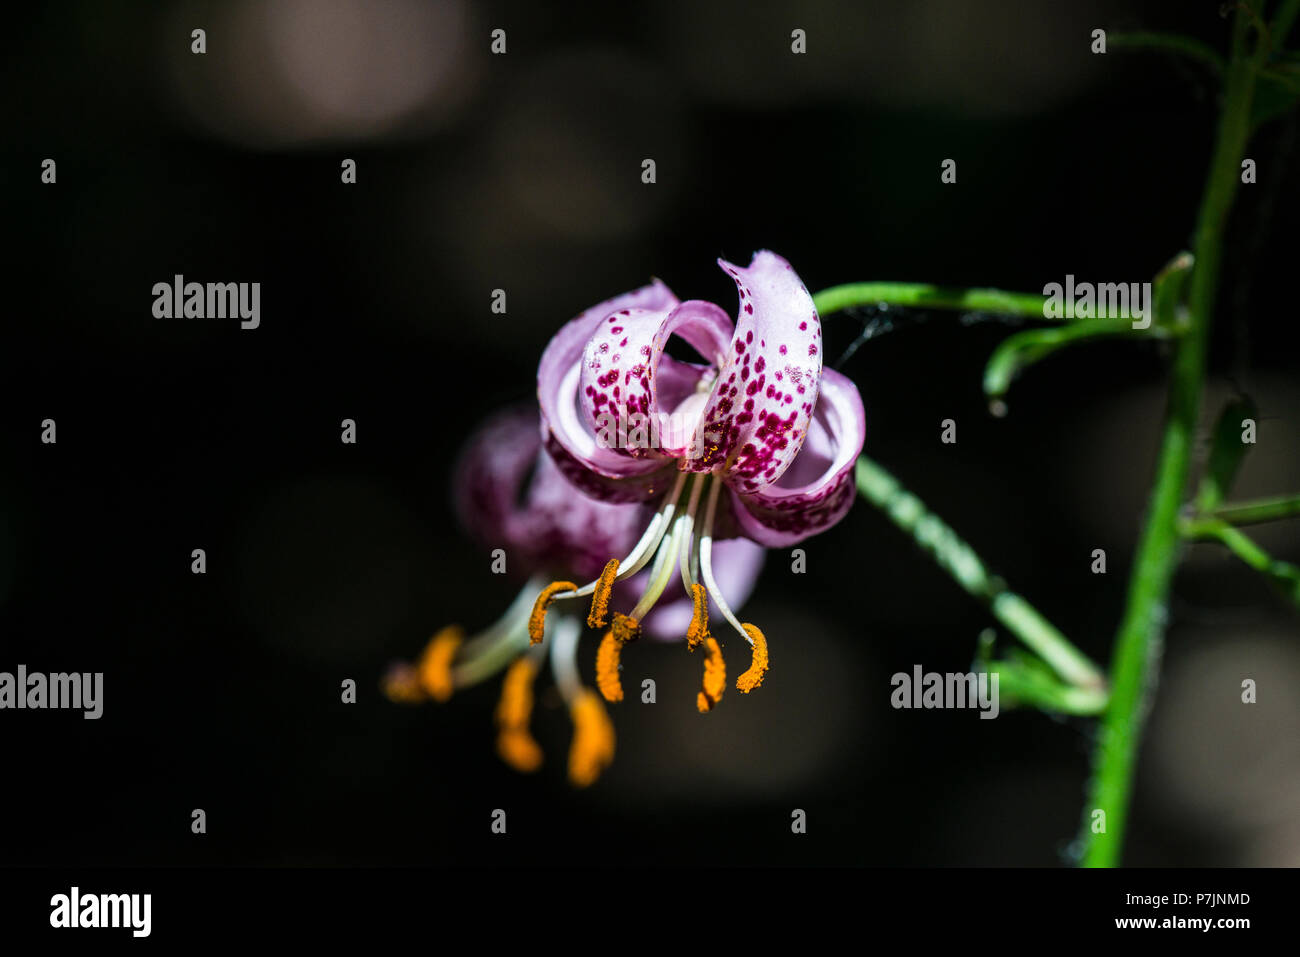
1259,510
959,560
1286,575
922,295
1141,631
1022,350
1020,684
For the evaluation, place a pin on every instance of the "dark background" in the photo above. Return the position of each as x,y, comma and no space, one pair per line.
522,172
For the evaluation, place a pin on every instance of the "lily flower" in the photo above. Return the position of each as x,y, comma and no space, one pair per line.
759,419
510,495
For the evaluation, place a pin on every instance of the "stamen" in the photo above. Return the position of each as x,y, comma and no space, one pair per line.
592,749
647,547
537,620
515,743
401,685
600,597
685,562
752,678
519,750
715,677
625,628
600,588
706,563
609,655
665,565
435,663
607,661
564,657
699,628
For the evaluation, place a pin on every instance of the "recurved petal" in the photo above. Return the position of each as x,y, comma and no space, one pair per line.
818,488
762,402
489,476
566,433
628,388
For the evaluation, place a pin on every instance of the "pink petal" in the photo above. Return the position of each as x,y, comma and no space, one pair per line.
818,489
628,384
569,533
761,407
548,527
566,434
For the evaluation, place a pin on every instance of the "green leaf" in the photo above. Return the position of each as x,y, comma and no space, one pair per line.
1277,92
1226,454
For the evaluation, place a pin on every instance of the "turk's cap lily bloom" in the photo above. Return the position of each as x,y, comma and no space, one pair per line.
509,494
768,421
760,419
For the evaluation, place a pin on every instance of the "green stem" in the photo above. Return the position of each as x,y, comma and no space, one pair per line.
960,561
1022,350
1282,22
922,295
1284,573
1141,631
1017,684
1259,510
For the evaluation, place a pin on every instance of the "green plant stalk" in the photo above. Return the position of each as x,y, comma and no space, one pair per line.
959,560
1259,510
1018,684
922,295
1141,631
1242,546
1022,350
1282,22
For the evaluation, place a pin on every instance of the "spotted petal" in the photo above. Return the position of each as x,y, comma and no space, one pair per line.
818,488
567,434
762,403
629,386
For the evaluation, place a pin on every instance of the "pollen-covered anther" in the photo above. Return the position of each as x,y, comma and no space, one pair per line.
625,628
699,627
435,664
519,750
715,676
401,684
607,662
752,678
600,597
593,740
537,620
515,742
